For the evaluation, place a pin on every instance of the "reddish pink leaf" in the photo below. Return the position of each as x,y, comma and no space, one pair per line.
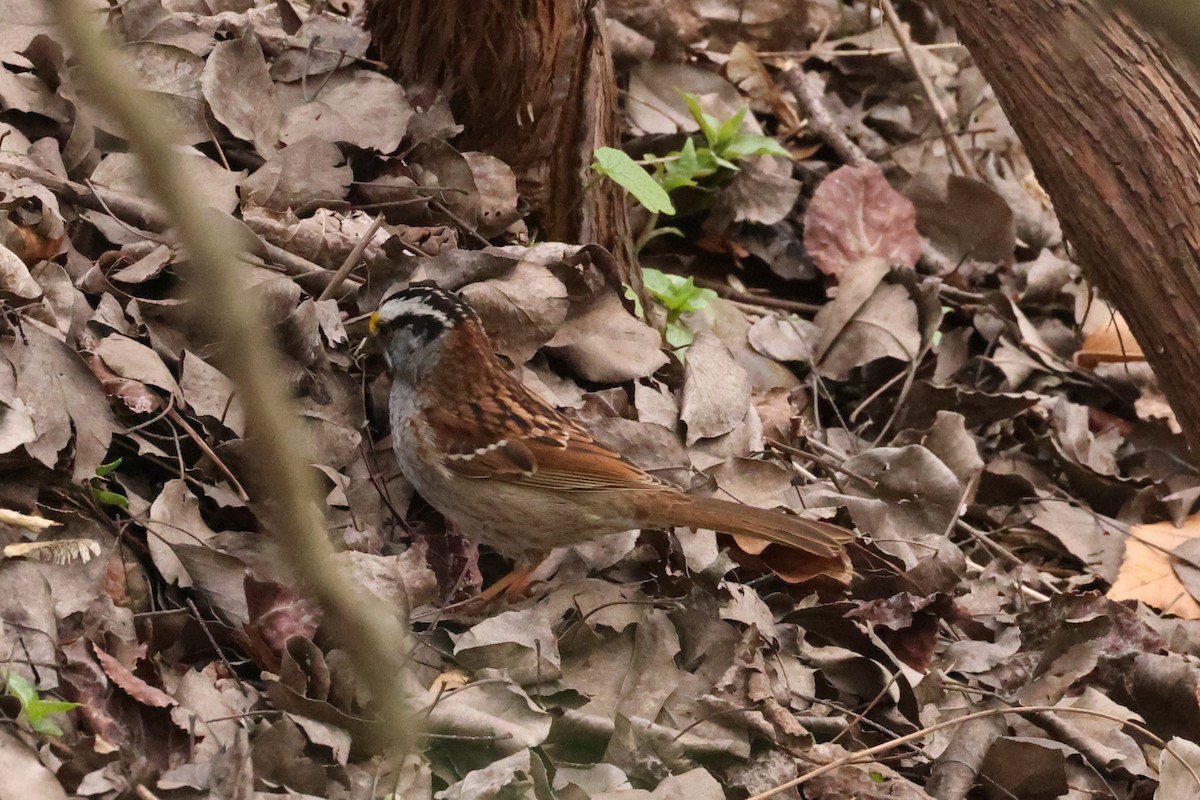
137,688
854,214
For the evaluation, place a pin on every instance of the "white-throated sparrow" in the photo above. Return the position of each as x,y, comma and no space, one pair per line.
512,472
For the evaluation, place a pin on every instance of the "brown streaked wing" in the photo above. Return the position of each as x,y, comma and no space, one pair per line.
583,465
477,450
532,451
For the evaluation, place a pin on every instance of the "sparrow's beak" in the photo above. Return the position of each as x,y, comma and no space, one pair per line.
373,323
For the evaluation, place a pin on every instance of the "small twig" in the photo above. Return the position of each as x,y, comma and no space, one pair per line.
939,112
141,234
459,221
328,75
883,387
170,405
374,639
763,301
304,67
821,121
178,419
833,460
351,260
213,643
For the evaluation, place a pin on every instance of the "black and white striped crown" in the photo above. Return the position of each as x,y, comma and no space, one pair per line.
426,308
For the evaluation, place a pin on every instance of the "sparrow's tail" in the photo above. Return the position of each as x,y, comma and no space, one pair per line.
819,538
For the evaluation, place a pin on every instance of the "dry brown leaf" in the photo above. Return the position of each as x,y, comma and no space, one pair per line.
606,344
172,75
1147,572
62,397
964,219
15,278
241,94
521,310
657,105
716,390
356,106
308,171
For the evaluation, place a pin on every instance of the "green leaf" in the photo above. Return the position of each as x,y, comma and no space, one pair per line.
678,337
46,727
36,709
665,231
728,130
104,470
677,293
21,689
681,170
634,178
107,498
707,163
754,144
709,126
630,294
698,298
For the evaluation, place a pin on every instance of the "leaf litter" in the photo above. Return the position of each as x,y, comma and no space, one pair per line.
895,346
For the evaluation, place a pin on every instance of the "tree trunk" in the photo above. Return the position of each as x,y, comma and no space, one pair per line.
1111,121
532,83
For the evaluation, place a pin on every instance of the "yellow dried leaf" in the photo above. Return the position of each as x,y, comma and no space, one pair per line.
1112,343
1147,573
449,680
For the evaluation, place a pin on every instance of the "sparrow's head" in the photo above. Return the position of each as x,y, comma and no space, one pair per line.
421,326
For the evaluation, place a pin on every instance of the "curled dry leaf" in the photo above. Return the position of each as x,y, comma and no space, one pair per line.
308,171
15,279
759,192
498,196
868,320
135,361
325,238
210,393
522,310
134,686
175,520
